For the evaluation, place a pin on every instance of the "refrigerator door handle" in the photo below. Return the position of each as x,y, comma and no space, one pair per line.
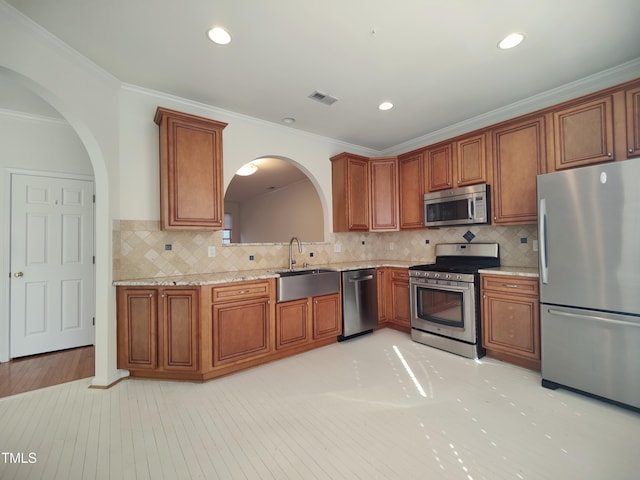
554,311
544,260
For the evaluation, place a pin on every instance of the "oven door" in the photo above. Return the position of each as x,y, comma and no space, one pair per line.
444,308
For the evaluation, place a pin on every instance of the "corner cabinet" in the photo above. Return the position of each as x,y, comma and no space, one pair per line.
350,192
511,319
191,188
400,299
412,189
158,330
384,194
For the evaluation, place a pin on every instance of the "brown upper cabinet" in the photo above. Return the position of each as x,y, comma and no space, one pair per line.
584,133
350,192
457,164
412,188
519,155
471,160
633,121
384,194
364,193
191,188
439,167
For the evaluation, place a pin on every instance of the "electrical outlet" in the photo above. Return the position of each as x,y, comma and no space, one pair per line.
392,246
337,248
211,251
535,245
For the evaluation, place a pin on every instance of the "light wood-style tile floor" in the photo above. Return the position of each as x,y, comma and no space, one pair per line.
377,407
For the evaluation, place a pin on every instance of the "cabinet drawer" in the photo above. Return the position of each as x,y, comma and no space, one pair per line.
510,284
241,290
399,274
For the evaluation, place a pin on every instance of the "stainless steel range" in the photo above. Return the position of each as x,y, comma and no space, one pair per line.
445,297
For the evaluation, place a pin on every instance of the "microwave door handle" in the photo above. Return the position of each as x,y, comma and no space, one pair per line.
470,207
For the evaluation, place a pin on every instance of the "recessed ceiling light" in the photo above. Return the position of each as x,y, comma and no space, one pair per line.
246,170
511,40
289,120
385,106
219,35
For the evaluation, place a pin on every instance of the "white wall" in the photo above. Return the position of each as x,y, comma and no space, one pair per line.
89,99
284,213
244,139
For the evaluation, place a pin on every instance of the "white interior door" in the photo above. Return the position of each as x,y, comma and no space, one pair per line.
52,270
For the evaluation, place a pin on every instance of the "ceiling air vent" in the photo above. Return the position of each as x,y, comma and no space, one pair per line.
323,98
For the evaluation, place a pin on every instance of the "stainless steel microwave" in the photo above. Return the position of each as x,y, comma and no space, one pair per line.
457,206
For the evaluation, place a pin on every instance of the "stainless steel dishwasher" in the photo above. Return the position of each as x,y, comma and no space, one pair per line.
359,302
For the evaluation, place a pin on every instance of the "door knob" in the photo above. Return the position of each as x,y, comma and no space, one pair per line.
18,274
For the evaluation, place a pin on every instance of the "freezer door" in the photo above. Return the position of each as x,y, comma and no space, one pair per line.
589,232
592,351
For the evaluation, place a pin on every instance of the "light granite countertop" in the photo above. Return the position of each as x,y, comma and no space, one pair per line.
245,275
517,271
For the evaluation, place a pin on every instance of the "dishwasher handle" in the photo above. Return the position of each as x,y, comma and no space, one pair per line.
361,279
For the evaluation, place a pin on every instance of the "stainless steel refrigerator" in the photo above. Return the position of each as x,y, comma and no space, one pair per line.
589,235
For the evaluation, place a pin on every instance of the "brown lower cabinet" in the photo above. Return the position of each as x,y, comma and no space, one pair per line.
307,320
511,319
394,305
158,329
202,332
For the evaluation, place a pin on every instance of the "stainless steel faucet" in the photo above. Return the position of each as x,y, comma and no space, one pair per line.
292,259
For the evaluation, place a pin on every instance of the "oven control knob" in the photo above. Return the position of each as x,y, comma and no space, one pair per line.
448,275
459,277
436,275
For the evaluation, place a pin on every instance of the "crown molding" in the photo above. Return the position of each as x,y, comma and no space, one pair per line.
343,146
584,86
33,117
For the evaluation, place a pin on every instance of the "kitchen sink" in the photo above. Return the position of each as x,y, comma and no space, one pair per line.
295,284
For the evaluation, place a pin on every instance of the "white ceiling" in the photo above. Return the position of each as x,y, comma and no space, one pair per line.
437,61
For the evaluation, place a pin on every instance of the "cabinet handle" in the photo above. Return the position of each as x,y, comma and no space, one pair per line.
510,285
150,295
631,150
243,292
610,155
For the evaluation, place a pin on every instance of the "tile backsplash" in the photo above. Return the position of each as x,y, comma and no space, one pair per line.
142,250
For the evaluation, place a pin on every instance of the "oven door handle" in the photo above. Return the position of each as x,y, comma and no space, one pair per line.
447,288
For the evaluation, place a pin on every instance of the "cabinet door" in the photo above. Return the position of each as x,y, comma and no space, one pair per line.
411,191
191,189
439,163
511,324
180,329
384,194
633,122
240,330
350,192
584,134
383,294
471,160
137,328
519,155
292,323
327,316
401,304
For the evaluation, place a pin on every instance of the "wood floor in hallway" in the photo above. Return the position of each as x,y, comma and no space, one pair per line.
39,371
